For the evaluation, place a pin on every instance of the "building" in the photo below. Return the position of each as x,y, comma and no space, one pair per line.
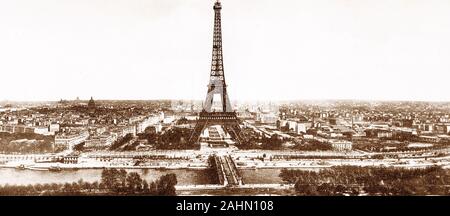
100,130
384,134
130,129
123,130
379,133
302,127
426,128
429,139
267,118
91,105
53,128
72,139
149,121
70,159
340,145
8,128
168,119
308,137
158,128
42,130
102,140
442,128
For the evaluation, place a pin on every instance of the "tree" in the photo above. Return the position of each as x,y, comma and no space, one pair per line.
166,185
95,185
145,187
122,177
75,187
285,128
114,179
272,143
80,182
67,188
305,190
121,142
87,186
134,182
55,186
108,180
153,188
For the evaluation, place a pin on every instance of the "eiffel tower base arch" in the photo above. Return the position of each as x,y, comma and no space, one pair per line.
228,120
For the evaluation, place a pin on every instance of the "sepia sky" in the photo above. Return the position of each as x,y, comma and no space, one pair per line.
273,50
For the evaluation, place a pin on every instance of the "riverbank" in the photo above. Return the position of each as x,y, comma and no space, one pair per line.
248,165
49,166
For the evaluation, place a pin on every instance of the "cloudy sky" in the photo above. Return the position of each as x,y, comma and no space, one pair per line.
273,50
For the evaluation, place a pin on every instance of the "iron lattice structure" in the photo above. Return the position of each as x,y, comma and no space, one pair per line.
224,115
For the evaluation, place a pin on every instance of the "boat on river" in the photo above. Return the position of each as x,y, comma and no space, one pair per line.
37,168
55,169
21,167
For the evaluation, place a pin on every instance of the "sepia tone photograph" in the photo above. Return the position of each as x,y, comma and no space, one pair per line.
224,98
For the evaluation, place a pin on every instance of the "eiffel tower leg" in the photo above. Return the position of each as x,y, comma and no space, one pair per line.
235,131
195,136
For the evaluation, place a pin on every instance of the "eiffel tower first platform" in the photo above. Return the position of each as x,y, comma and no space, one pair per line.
222,115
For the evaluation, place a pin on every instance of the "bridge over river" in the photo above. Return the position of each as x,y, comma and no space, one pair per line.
229,176
227,171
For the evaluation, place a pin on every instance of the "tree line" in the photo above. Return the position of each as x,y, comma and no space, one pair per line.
354,180
113,182
174,138
260,141
120,142
42,144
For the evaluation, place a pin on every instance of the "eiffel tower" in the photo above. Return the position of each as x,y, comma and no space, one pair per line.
222,115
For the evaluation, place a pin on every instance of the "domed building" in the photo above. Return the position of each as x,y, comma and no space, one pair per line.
91,105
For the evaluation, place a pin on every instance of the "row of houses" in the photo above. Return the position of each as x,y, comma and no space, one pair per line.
103,136
336,143
434,139
70,140
43,130
296,126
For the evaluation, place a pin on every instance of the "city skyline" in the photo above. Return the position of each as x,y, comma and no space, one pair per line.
179,147
297,50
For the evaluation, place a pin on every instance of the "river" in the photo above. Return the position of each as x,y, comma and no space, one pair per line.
185,176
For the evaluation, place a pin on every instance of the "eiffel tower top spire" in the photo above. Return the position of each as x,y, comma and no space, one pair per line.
217,55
